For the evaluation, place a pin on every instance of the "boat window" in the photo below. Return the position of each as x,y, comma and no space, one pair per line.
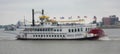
30,29
89,29
75,30
69,30
41,35
33,35
40,30
48,23
37,29
49,29
63,35
44,35
57,29
60,29
72,30
86,29
43,29
46,29
34,29
78,29
60,35
52,35
57,35
26,29
54,29
49,35
81,29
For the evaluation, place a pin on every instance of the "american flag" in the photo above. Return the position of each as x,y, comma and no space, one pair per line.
54,17
62,17
78,16
85,16
70,17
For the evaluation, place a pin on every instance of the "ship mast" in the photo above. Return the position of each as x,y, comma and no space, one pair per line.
24,21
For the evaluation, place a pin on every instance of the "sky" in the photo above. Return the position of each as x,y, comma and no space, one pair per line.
11,11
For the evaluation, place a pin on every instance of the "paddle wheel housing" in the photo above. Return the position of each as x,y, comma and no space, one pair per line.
98,32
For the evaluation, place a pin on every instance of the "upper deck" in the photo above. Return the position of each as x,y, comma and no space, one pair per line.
63,26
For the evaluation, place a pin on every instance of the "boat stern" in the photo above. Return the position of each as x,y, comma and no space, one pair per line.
96,33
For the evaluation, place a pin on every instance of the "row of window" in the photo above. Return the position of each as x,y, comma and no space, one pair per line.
48,35
78,30
42,29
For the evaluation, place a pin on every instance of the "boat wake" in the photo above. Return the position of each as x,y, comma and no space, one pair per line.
8,35
7,38
104,38
11,32
109,38
115,38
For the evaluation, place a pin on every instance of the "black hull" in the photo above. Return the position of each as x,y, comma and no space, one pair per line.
86,38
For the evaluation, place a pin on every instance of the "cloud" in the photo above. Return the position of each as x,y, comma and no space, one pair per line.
17,9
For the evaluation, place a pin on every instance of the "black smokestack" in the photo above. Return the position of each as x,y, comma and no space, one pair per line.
42,12
33,21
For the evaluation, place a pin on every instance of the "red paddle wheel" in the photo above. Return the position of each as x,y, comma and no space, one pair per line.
97,33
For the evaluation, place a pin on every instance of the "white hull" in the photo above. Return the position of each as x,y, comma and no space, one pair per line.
57,32
55,36
85,38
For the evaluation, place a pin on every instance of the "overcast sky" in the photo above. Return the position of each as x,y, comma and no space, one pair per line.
13,10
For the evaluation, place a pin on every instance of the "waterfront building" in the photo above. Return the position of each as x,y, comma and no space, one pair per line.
111,20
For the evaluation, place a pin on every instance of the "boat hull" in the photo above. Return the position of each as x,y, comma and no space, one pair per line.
85,38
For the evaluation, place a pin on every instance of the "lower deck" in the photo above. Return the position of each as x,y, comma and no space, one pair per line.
85,38
53,35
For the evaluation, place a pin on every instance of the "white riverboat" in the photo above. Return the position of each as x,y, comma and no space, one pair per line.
52,30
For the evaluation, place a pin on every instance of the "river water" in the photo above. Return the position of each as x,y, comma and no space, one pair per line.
108,45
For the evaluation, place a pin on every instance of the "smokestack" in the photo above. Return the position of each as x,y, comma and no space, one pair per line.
33,21
42,12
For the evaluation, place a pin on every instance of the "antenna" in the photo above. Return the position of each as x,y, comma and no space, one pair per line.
24,21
